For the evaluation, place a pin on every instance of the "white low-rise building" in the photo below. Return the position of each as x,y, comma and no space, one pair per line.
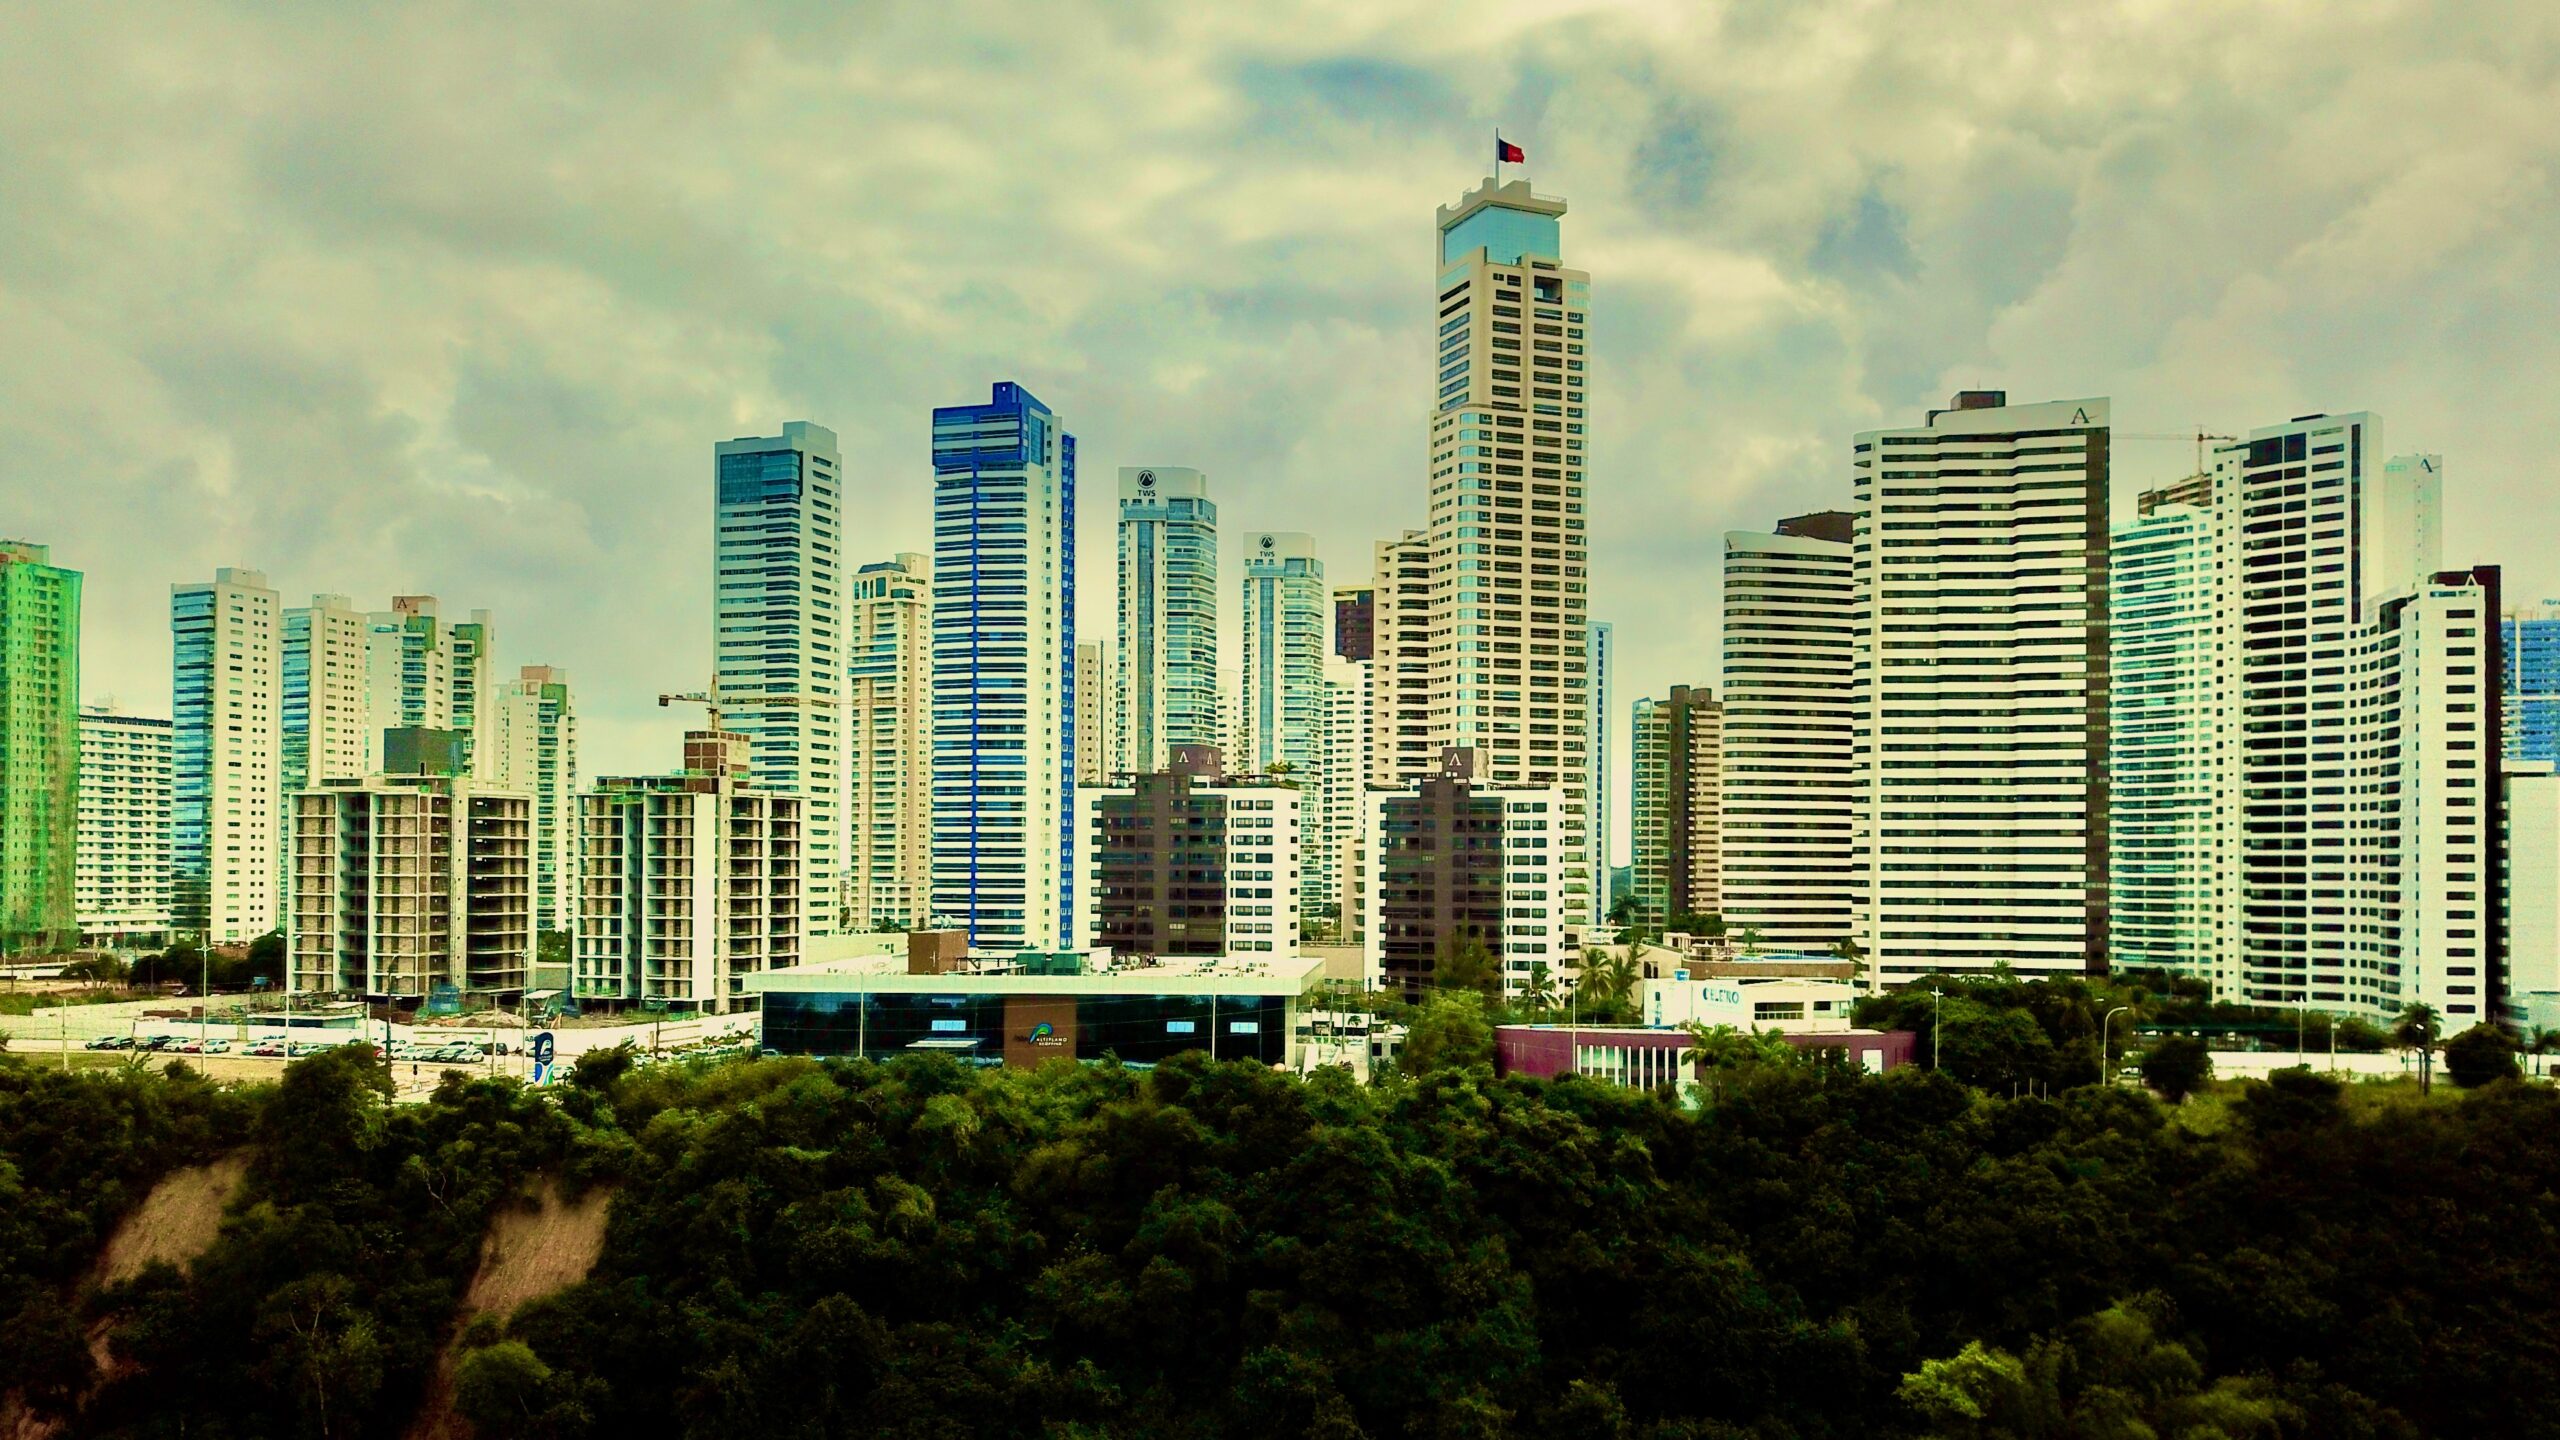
1799,1006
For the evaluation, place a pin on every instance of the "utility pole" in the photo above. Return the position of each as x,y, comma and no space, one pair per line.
1934,1007
2103,1076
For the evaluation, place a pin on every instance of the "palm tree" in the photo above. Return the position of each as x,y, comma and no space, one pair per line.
2418,1030
1611,979
2541,1041
1540,991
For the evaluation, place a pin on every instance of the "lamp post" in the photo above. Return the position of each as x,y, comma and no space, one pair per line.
1934,1007
2103,1024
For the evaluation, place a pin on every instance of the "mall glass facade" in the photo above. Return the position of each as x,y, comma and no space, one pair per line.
987,1029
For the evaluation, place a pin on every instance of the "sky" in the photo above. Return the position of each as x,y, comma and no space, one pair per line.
455,298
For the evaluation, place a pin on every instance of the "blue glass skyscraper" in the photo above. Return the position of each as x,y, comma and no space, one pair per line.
2529,651
1004,644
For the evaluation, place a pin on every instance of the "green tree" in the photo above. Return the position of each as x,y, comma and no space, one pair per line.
2480,1055
551,951
323,1353
1466,963
2418,1029
1449,1032
501,1388
2177,1066
1540,991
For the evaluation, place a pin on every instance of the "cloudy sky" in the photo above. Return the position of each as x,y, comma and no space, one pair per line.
455,298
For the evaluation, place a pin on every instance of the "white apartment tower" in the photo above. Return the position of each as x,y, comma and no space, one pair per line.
888,717
330,731
120,884
1097,717
1288,616
529,744
1168,655
1604,667
1400,751
1509,619
778,655
1004,639
226,762
688,882
2167,744
1790,787
1982,690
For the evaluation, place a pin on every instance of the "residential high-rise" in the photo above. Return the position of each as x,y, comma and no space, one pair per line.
1790,787
689,883
1004,638
1097,717
2529,640
778,658
1334,819
1355,622
1288,627
39,749
328,728
226,762
122,889
1604,665
1982,690
2165,741
1168,656
1509,648
405,884
1187,862
529,744
412,660
888,717
1678,801
1401,752
1451,861
474,646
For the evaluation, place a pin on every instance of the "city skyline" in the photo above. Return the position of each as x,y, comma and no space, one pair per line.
514,413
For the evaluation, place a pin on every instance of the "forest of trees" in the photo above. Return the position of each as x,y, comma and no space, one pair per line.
918,1249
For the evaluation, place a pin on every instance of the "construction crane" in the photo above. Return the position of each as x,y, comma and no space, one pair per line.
2199,436
713,699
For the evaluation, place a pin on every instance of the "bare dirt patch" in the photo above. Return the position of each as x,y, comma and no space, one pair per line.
176,1222
531,1251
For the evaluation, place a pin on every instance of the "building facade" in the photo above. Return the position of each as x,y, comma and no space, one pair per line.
404,885
1400,751
122,888
529,744
1982,690
1188,862
2529,641
888,717
1168,655
226,798
329,729
1678,805
689,883
1448,862
1790,787
2166,746
1509,626
1604,669
1004,741
39,750
1334,822
1097,717
778,656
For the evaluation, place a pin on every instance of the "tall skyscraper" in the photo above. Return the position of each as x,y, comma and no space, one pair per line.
39,749
529,745
1790,787
2529,641
889,716
1401,752
1004,638
1332,819
122,889
226,764
778,649
1678,794
1097,717
2166,736
1604,665
1509,649
1168,657
328,727
410,641
474,644
1287,627
1982,690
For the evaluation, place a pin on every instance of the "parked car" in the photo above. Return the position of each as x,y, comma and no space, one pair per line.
110,1042
270,1049
217,1047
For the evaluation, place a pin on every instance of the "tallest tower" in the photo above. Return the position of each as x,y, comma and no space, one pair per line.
1509,614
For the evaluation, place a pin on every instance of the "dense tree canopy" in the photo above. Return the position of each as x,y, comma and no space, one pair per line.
804,1249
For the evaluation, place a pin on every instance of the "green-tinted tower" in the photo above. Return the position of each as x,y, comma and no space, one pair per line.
39,748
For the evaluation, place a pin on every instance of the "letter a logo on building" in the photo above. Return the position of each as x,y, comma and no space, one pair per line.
2080,416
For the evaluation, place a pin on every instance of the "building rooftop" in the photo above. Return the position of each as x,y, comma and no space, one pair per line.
988,974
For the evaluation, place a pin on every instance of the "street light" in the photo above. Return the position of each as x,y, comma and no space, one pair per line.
1934,993
2102,1040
